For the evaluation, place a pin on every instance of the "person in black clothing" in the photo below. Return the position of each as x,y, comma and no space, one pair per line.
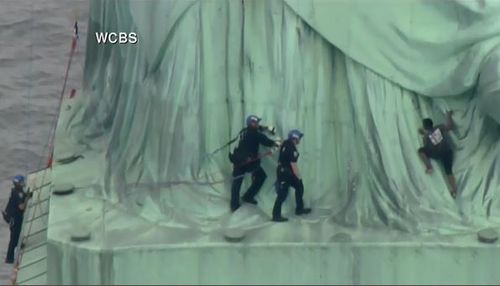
437,146
246,159
14,213
288,175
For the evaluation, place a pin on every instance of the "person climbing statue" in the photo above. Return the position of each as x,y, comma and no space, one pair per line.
437,146
14,214
288,175
245,159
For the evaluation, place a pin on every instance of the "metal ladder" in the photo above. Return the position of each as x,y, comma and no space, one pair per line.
31,267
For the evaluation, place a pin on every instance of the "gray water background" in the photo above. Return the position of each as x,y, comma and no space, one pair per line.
35,40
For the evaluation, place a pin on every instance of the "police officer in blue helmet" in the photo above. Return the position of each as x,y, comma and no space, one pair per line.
14,214
245,159
288,175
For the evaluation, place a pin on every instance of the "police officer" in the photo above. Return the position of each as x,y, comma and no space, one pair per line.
15,212
288,175
246,159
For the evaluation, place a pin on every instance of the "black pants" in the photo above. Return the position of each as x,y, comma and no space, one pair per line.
258,178
15,231
285,180
444,156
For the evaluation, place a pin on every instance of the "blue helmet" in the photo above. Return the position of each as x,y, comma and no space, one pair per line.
295,134
253,119
19,179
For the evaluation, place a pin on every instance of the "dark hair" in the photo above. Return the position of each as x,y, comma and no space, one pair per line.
427,123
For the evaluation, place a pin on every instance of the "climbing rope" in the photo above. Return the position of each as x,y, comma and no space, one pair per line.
30,79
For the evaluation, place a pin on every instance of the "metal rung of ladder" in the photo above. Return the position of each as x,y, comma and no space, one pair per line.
40,187
35,233
35,246
33,219
39,202
31,278
32,262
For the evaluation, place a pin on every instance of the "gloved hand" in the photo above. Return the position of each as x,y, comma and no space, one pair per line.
271,129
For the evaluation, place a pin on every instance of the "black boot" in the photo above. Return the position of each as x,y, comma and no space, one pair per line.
249,200
302,211
9,261
280,219
234,208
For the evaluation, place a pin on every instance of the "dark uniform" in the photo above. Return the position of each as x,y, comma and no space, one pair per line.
17,197
286,178
437,146
245,160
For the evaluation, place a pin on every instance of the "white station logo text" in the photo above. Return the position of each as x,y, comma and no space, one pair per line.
114,38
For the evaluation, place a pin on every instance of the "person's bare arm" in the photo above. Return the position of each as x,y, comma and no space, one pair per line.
449,121
295,170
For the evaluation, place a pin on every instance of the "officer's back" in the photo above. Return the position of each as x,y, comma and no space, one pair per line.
250,139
